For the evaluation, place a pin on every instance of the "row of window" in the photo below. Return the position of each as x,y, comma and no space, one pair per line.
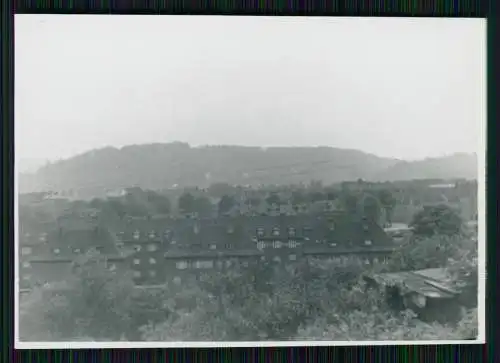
41,238
277,244
150,248
230,229
182,265
25,251
138,274
207,264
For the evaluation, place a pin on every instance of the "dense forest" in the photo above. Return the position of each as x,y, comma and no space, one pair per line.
156,166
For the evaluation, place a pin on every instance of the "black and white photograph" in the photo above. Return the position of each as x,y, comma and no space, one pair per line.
249,181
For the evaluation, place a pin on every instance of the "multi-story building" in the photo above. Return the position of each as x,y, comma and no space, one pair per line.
160,250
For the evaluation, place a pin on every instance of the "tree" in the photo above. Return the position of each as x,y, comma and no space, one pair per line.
118,208
253,201
186,203
158,203
218,190
298,197
388,202
203,207
331,195
316,196
350,202
92,302
371,207
226,203
273,198
440,219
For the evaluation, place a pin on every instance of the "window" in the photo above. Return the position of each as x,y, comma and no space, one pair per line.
167,234
137,248
26,264
260,232
213,246
204,264
57,251
365,227
42,239
292,244
367,261
27,277
152,261
331,227
276,231
261,245
152,273
181,265
292,257
112,267
229,246
173,242
291,232
26,251
77,250
229,263
277,259
136,235
177,280
333,244
137,261
152,248
277,244
137,274
230,229
196,229
152,234
375,260
245,264
368,242
262,258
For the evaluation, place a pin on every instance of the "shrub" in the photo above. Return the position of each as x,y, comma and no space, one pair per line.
92,302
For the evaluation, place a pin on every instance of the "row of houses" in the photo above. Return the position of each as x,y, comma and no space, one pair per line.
157,248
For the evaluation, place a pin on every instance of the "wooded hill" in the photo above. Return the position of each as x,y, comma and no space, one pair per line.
159,166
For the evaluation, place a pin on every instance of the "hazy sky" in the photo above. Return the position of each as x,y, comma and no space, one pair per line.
406,88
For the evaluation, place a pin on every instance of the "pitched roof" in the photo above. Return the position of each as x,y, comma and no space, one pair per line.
432,283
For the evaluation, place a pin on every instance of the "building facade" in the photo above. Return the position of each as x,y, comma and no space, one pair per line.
161,250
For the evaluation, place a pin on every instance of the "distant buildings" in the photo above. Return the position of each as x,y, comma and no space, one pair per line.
442,186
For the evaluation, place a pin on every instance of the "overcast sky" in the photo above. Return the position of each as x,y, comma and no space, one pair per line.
405,88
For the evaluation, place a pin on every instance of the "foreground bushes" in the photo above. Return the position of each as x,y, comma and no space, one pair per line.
311,300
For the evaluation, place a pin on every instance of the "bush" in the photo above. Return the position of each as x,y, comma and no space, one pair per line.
92,302
313,299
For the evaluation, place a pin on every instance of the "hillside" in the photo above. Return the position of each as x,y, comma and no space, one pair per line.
454,166
156,166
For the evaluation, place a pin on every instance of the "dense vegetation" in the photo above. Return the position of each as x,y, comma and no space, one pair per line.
384,202
315,300
157,166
